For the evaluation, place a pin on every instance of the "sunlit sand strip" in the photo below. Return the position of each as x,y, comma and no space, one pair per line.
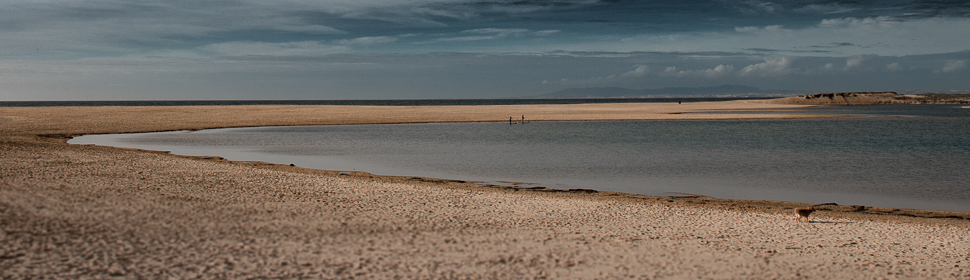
117,119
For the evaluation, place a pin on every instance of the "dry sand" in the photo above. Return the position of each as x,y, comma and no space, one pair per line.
71,211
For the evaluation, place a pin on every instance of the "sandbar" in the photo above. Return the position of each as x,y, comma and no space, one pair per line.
72,211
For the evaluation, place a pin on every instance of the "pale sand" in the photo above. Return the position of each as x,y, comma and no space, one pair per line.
90,120
72,211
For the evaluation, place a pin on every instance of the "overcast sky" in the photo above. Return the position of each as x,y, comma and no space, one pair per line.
385,49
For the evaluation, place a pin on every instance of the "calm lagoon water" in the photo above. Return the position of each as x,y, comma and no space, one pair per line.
905,156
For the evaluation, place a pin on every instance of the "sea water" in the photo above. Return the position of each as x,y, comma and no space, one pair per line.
904,156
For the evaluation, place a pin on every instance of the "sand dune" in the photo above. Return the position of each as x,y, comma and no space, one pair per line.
871,98
73,211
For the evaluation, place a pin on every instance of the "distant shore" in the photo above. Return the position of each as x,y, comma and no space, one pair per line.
102,211
127,119
872,98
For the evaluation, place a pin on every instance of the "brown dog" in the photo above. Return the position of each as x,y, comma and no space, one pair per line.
803,213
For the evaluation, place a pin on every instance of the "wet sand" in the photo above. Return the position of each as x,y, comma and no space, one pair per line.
79,210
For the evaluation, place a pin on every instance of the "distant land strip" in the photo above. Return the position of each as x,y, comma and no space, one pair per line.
872,98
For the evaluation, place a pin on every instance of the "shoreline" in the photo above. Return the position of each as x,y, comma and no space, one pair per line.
740,110
913,215
854,212
87,210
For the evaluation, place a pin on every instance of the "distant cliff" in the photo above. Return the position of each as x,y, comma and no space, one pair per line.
715,91
872,98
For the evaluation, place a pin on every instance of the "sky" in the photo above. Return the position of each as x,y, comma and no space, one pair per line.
444,49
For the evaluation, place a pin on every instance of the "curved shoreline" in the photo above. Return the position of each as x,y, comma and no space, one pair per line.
855,212
698,200
85,210
435,114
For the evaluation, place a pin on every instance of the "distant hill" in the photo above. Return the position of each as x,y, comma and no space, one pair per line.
715,91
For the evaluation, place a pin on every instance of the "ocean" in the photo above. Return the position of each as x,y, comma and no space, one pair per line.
900,156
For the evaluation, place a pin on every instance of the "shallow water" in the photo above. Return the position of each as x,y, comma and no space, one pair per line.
905,156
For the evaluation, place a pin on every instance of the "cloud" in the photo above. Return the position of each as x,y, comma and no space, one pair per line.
642,70
513,6
367,40
931,9
835,36
808,43
747,29
712,73
124,27
304,48
432,12
854,62
638,72
899,10
759,7
827,67
266,21
465,39
771,67
693,68
105,28
855,22
953,66
831,8
769,28
857,61
719,71
546,32
495,33
498,32
893,67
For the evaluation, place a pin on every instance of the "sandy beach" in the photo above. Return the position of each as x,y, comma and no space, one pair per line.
78,211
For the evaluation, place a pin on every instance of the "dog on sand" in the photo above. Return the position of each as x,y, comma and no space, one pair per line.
802,213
